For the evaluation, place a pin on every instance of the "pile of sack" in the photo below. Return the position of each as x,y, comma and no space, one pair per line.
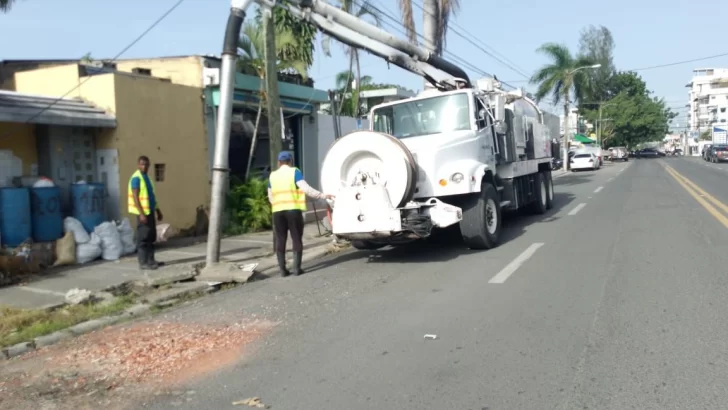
110,241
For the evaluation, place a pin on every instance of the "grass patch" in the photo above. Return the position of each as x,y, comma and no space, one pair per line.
18,325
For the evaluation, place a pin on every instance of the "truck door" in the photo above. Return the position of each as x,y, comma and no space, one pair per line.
484,134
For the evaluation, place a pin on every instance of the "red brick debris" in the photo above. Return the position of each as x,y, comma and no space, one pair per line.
159,351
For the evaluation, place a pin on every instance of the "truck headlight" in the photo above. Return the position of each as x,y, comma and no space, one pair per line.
457,178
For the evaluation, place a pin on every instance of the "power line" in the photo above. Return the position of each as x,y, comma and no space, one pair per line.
125,49
479,46
680,62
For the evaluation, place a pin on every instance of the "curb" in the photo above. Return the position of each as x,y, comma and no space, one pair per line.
73,331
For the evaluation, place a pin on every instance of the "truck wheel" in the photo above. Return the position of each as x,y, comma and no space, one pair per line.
549,190
366,245
481,224
539,206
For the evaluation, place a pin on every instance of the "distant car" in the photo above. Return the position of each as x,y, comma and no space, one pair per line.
648,153
718,153
706,151
584,160
619,154
597,151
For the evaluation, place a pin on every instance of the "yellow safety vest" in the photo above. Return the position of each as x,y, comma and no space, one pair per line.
286,194
143,195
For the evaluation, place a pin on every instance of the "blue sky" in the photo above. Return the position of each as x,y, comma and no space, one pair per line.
646,33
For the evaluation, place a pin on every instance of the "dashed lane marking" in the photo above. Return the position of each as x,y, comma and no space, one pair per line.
512,267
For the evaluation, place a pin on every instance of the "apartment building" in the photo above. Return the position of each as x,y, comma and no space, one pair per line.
708,99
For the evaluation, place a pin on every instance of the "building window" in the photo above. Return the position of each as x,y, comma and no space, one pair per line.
159,170
722,109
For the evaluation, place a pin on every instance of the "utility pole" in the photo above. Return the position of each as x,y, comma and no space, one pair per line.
271,79
220,168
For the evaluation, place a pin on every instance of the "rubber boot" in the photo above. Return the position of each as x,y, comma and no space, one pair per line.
297,256
282,264
151,261
143,257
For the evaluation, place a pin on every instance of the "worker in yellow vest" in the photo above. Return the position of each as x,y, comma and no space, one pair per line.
287,193
143,203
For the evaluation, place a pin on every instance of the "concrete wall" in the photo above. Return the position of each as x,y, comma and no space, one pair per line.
164,122
20,139
179,70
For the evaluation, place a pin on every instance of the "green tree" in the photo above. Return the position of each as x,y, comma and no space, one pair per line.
252,61
706,135
597,44
5,5
563,78
304,33
361,9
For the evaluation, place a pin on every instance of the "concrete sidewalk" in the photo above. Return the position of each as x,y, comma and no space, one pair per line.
49,289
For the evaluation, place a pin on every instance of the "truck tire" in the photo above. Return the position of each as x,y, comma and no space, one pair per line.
550,190
372,153
481,224
366,245
540,205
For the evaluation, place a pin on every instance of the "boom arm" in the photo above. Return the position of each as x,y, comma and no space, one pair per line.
360,34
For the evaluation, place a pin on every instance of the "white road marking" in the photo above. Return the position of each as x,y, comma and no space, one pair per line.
577,209
610,179
41,291
596,191
509,269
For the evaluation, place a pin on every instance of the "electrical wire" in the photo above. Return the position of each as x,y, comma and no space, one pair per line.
679,62
511,66
116,57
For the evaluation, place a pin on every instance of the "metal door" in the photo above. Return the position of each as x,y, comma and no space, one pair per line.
107,164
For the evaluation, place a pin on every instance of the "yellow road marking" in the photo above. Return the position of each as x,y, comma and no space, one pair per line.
696,192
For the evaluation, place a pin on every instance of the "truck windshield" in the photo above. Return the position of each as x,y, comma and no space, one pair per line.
423,117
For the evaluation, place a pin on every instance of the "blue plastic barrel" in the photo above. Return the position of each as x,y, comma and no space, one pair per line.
88,204
14,216
45,213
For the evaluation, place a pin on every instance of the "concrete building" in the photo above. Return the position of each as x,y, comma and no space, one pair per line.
165,108
708,99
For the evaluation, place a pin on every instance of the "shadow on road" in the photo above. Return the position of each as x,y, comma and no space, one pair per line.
447,244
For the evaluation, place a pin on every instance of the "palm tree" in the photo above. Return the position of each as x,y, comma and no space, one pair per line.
359,9
350,100
5,5
561,78
252,44
436,18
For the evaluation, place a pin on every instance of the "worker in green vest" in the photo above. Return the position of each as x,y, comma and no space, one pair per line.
143,203
287,192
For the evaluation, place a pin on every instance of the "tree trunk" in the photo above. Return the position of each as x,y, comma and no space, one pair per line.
255,132
347,86
273,100
358,85
567,139
429,26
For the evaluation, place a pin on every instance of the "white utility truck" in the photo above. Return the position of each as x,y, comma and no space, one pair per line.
458,153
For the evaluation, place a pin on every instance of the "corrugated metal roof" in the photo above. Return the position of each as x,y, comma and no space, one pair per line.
40,109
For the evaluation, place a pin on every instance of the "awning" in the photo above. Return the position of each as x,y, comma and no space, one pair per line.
583,139
39,109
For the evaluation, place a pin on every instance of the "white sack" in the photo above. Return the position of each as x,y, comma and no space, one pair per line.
111,245
79,233
89,251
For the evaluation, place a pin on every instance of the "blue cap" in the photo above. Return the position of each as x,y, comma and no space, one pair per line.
285,156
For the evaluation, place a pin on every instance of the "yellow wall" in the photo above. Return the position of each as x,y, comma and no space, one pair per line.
180,70
51,81
20,138
156,118
164,122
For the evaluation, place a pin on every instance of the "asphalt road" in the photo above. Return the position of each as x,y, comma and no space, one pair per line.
616,299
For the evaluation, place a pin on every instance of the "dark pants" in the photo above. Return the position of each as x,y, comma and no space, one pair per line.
283,222
146,235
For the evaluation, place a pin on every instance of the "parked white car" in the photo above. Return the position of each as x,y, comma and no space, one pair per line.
597,151
584,160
